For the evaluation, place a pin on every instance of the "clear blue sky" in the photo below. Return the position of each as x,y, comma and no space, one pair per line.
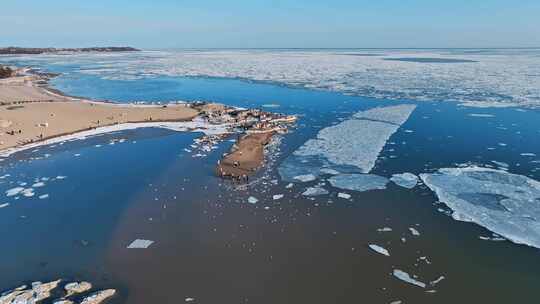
278,23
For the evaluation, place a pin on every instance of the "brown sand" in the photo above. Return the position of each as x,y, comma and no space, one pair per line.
23,122
246,157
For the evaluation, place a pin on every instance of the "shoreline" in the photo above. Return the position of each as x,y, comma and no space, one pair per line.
34,114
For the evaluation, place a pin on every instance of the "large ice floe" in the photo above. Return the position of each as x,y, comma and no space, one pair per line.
359,182
505,203
349,149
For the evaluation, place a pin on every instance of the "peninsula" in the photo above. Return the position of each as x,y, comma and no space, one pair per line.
31,114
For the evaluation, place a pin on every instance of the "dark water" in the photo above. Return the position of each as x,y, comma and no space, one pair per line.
211,245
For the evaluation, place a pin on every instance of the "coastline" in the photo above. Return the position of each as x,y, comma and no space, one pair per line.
33,114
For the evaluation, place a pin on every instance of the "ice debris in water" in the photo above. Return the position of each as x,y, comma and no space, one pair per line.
329,171
14,191
305,178
384,229
344,195
252,200
436,281
140,244
359,140
405,180
507,204
277,197
414,231
405,277
359,182
4,205
379,249
315,191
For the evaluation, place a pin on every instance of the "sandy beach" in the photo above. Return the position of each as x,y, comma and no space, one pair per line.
247,155
24,122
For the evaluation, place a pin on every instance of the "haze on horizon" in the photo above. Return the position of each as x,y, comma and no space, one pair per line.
280,24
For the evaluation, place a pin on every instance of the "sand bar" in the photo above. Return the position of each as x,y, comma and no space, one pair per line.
246,156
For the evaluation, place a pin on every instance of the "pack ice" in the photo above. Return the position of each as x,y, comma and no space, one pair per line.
505,203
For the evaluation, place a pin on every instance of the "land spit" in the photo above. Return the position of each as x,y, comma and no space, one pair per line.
31,115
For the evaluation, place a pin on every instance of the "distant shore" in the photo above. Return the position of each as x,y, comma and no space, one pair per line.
36,51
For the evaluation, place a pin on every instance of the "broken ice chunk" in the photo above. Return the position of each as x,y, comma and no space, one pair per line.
305,178
277,197
435,282
405,277
405,180
379,249
252,200
344,195
315,191
14,191
140,244
414,231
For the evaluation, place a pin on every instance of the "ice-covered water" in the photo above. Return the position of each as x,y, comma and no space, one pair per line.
505,203
486,78
359,182
406,180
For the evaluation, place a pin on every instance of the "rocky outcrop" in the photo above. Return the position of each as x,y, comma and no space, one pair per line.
39,291
35,51
5,72
23,295
76,287
99,296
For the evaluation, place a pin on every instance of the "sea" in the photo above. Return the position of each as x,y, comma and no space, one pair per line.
471,135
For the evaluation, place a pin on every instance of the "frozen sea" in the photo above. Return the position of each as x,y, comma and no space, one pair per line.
457,130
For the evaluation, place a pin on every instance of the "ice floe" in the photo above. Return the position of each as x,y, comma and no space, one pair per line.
355,142
14,191
305,178
507,204
343,195
405,277
414,231
4,205
140,244
437,281
379,249
406,180
359,182
315,191
252,200
277,197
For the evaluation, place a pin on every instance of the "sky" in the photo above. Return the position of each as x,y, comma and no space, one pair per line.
271,23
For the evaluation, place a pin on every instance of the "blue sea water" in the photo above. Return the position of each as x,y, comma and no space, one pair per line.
211,245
